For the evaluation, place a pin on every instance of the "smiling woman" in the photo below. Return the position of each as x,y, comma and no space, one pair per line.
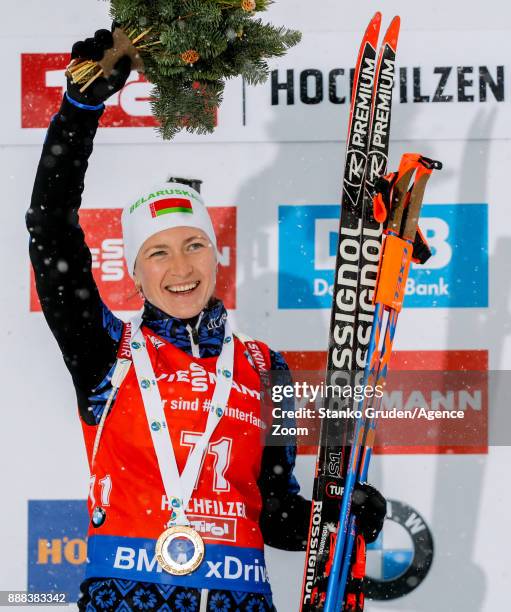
163,399
170,248
185,491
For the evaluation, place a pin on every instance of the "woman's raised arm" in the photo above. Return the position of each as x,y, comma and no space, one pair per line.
82,325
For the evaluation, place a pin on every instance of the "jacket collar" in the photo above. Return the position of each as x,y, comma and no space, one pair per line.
210,327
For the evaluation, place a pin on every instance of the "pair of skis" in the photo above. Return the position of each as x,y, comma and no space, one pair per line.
356,269
353,337
403,243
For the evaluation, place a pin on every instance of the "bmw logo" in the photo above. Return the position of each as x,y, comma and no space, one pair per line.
98,516
401,557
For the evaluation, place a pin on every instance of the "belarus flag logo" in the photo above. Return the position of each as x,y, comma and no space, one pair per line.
170,205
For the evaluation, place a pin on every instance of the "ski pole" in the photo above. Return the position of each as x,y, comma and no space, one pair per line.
346,530
334,595
411,226
339,588
379,364
384,297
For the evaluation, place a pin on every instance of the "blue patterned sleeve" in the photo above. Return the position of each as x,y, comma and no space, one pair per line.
285,516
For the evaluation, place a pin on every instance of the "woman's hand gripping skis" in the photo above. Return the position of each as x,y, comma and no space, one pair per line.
398,206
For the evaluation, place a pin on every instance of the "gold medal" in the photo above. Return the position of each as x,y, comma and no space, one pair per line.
179,550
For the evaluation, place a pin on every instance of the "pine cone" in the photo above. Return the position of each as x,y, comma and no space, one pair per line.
190,57
248,5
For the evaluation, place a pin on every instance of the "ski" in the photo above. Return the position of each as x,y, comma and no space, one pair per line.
358,254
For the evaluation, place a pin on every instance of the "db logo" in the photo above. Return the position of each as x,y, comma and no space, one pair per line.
455,276
102,228
43,82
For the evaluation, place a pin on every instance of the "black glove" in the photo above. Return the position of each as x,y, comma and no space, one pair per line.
101,88
370,508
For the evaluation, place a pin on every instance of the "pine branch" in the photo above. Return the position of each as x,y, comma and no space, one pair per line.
193,47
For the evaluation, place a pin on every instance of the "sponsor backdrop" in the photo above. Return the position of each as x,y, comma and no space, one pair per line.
272,174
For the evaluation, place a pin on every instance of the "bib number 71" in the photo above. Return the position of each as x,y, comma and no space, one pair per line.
221,452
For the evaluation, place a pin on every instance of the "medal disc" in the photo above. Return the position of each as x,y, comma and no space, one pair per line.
179,550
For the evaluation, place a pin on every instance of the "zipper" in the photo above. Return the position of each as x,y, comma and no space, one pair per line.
194,337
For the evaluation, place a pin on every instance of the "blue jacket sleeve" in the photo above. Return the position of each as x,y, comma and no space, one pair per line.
285,515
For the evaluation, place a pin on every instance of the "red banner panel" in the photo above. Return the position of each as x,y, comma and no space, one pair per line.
102,228
432,402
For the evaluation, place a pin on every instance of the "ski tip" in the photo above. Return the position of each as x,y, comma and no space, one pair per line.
392,34
376,20
373,29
